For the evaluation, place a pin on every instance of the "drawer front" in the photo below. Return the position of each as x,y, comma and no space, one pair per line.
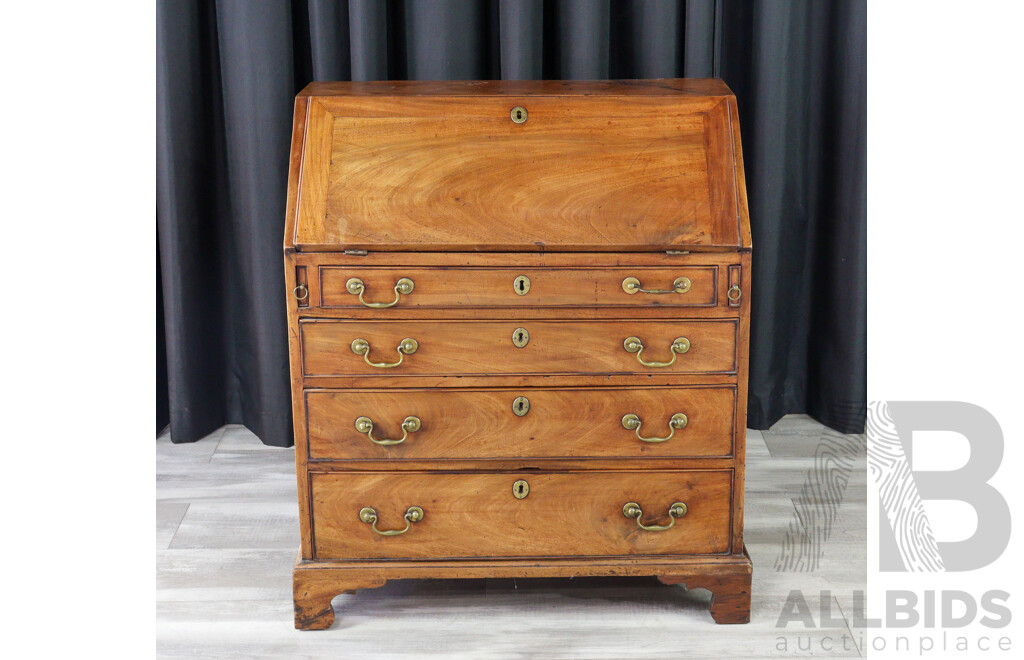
487,347
524,422
478,515
694,286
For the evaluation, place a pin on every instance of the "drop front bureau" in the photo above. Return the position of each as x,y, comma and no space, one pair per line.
518,317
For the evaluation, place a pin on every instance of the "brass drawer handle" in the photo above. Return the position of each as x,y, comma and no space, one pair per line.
631,285
410,424
407,347
734,294
403,286
369,516
301,292
632,423
633,510
634,345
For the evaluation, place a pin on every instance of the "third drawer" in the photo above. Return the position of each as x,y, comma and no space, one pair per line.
396,424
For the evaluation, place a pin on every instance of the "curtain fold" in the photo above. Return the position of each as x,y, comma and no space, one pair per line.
227,73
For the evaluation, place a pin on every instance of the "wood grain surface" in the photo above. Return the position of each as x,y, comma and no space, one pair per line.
583,173
476,515
434,182
485,347
496,287
559,423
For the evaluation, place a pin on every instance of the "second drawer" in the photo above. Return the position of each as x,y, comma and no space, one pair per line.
335,347
525,422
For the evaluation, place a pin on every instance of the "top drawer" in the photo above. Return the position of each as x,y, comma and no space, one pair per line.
402,287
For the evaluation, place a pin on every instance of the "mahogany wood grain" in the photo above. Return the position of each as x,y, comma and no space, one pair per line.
726,576
496,287
560,463
291,277
485,347
582,173
476,515
742,375
558,423
364,381
433,181
730,590
543,260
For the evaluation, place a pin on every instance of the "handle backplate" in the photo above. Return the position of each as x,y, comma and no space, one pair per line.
633,345
410,424
632,422
633,510
632,285
369,516
403,287
407,346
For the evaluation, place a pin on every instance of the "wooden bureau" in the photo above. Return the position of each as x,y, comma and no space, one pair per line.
518,324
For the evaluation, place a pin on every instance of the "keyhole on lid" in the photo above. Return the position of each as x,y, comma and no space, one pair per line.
520,489
519,114
520,337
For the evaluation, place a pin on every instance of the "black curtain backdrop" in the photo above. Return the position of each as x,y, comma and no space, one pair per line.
227,72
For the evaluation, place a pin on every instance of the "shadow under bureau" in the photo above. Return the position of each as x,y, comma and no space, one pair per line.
518,318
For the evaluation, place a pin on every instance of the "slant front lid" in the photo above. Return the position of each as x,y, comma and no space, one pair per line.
635,166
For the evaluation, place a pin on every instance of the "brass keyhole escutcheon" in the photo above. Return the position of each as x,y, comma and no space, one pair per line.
520,489
520,337
521,285
521,406
519,114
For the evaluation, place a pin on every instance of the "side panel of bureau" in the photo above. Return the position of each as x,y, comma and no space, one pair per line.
477,515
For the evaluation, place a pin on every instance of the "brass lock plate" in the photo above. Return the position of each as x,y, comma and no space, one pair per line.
520,337
520,489
519,114
520,406
521,285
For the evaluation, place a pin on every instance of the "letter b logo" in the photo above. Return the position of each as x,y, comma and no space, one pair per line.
907,542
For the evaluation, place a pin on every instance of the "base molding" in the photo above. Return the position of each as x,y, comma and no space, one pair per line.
316,583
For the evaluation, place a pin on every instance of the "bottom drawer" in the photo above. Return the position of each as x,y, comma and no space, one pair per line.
480,515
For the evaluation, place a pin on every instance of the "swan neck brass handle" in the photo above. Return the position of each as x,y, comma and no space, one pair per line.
679,346
633,510
631,285
407,347
404,286
632,423
410,424
369,516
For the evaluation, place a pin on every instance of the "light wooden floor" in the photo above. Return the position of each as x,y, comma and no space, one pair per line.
227,534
